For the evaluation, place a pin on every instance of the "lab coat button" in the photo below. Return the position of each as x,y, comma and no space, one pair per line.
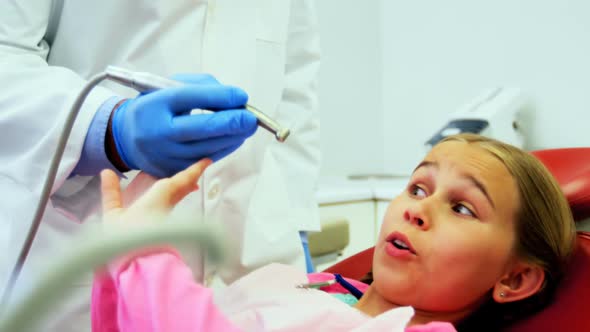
213,192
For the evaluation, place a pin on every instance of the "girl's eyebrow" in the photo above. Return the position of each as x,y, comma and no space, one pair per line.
426,163
478,184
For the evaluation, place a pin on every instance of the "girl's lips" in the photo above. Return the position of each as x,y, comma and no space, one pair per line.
400,238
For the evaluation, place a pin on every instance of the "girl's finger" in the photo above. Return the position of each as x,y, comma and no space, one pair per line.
111,191
185,182
166,193
140,185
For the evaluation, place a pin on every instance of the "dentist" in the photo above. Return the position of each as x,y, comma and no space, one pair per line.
263,191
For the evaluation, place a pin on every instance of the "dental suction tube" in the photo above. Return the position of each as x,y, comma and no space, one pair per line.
97,246
139,81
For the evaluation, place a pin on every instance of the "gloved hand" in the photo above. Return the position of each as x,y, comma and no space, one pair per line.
156,133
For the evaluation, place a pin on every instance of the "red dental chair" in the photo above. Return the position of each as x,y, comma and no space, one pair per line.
569,310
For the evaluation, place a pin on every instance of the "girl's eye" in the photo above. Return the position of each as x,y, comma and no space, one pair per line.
417,191
462,209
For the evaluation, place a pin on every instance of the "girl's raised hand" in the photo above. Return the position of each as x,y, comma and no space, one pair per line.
158,200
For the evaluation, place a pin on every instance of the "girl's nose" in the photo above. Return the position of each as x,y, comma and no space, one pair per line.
417,216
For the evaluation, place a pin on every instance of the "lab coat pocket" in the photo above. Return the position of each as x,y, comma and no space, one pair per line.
81,204
271,37
268,87
273,20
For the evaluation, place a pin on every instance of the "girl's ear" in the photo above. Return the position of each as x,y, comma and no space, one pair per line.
522,281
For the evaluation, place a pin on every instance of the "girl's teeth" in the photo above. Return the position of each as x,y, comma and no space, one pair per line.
401,244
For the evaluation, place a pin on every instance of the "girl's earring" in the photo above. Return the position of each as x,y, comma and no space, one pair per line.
502,294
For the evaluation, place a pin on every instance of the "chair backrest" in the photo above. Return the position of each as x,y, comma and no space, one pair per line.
568,312
571,168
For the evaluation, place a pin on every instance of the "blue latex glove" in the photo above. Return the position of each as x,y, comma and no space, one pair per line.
156,133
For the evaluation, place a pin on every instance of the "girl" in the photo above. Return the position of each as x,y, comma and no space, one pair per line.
480,238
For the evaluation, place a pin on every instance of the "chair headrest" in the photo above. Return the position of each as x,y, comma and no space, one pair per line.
571,168
568,310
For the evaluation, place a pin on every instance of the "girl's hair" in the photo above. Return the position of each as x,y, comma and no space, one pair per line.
544,228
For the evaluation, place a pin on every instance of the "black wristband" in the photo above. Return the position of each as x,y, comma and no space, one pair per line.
110,147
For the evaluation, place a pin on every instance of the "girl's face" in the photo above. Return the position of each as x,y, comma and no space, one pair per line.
448,238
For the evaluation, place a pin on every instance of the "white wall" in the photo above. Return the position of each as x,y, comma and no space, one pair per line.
439,54
350,87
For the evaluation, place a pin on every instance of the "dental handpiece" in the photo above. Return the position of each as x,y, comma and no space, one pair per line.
142,81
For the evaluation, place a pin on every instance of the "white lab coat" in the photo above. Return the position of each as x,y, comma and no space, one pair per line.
263,192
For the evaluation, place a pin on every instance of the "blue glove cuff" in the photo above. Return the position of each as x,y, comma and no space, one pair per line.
117,119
